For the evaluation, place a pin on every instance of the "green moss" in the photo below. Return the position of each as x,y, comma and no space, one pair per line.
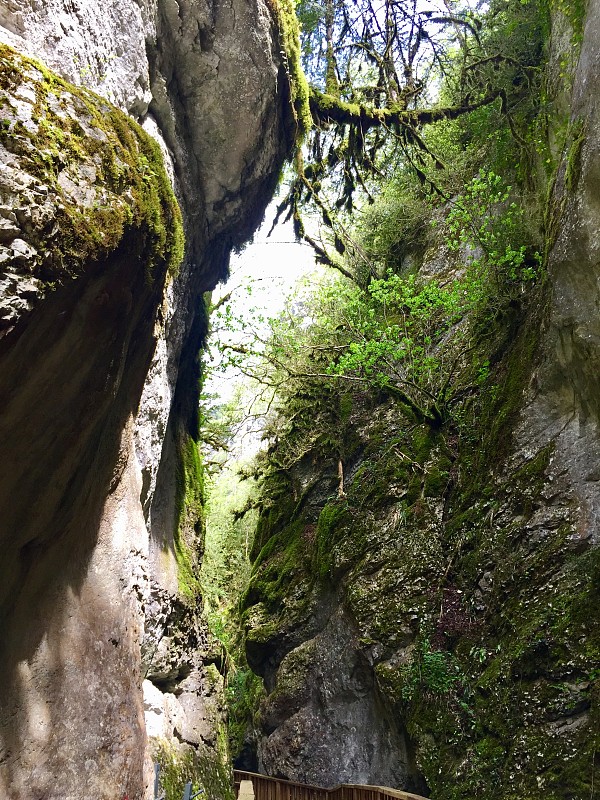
262,632
205,770
334,105
533,674
414,491
513,340
576,138
413,464
326,535
73,129
421,442
436,479
346,404
574,11
243,693
189,518
381,472
276,566
277,510
289,36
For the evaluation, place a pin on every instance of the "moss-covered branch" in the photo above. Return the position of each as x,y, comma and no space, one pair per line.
326,108
289,37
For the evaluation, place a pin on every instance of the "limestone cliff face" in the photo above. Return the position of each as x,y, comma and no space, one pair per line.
457,580
100,329
562,406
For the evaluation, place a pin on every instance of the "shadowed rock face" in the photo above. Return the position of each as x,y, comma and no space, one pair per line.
71,617
564,403
99,373
325,723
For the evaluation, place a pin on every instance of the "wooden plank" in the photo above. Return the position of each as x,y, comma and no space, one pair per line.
267,788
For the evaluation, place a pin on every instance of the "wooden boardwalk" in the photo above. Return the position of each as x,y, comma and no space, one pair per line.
266,788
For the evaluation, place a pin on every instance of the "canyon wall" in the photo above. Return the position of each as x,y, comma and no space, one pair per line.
101,322
436,625
433,627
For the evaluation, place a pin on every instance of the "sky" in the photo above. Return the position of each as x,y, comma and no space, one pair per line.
272,266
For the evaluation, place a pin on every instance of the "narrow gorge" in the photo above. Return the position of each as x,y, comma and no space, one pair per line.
422,607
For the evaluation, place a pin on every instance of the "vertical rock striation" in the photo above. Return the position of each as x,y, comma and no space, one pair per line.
563,405
99,362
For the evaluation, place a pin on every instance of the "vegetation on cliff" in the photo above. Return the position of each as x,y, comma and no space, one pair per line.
394,477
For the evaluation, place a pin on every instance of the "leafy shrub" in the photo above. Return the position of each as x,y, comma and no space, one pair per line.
431,671
486,220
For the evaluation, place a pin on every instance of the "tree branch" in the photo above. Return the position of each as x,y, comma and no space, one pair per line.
327,109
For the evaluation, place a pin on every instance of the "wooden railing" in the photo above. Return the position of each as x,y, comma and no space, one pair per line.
266,788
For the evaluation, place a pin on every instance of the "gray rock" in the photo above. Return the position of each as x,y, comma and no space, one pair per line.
90,595
563,406
324,723
9,229
22,253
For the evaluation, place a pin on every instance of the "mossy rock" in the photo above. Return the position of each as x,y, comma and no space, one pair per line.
278,564
189,520
103,175
206,770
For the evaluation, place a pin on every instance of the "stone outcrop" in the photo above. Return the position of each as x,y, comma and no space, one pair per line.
326,725
562,407
100,330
